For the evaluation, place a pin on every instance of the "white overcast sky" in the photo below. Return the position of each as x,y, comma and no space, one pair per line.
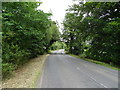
57,7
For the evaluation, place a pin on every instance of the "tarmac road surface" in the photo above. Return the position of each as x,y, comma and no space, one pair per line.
64,71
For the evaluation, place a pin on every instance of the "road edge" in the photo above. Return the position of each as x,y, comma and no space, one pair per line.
96,62
40,74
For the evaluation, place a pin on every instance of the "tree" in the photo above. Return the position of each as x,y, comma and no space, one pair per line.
27,33
92,29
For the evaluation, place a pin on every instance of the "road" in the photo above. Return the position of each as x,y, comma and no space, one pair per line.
64,71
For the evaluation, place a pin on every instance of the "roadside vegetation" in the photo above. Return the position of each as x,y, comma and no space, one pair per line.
115,67
58,45
26,33
27,75
92,30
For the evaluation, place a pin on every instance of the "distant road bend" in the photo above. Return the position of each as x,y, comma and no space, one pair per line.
64,71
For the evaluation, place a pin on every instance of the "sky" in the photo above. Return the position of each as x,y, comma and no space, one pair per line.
57,7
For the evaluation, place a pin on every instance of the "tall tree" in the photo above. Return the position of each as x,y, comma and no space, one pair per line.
92,29
27,33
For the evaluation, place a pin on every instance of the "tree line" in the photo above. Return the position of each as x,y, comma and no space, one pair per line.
92,30
26,33
58,45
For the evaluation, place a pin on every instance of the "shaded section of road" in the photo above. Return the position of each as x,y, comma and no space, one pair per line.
64,71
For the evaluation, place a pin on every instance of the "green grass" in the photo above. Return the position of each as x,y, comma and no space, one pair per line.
97,62
49,51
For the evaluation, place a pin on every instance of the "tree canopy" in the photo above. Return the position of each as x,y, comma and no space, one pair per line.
92,30
27,33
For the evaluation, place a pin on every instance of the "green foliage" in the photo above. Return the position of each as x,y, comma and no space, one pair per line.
98,62
92,30
7,69
58,45
27,33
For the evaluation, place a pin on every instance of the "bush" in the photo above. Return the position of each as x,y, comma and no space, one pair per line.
26,33
7,69
58,45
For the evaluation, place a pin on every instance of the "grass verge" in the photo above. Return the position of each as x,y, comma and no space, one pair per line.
97,62
27,75
50,51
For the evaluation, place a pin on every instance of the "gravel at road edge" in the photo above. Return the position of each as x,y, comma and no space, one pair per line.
26,76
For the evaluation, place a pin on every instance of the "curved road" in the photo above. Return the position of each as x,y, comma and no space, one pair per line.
64,71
